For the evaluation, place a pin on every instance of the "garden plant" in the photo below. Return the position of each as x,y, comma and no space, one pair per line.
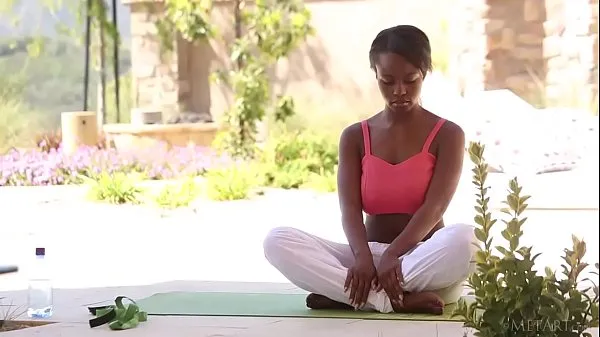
511,298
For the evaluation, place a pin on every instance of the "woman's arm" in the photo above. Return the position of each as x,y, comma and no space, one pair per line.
441,190
349,193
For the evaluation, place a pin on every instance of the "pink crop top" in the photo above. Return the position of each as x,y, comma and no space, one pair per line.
387,188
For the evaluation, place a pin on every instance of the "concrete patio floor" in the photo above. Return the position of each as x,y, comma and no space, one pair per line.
217,246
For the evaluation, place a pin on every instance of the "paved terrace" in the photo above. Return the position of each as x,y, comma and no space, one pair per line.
217,247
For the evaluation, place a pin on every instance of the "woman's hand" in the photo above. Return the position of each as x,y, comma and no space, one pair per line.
389,277
360,280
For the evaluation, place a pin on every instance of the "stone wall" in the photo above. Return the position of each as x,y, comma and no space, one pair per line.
155,75
329,73
543,50
515,42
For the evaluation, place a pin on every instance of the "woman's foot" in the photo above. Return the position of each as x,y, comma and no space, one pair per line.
316,301
421,303
416,303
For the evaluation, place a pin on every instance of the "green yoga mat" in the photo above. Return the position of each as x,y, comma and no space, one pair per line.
261,305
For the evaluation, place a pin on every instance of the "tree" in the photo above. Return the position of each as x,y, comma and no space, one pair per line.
273,29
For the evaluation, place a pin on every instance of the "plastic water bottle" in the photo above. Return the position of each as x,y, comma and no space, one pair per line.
40,288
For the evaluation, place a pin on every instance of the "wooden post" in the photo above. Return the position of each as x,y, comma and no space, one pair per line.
79,128
101,104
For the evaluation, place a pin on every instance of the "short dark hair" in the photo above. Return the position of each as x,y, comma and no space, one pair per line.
405,40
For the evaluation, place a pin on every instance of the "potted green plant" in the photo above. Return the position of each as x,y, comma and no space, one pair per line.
510,297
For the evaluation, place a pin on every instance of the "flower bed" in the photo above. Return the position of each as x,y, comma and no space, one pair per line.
53,167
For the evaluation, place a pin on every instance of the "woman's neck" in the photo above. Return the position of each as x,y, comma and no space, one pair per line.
400,118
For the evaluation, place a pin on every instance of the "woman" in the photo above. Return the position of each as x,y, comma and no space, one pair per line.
401,167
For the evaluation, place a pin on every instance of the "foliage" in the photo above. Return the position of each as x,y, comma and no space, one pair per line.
125,100
99,21
97,10
250,85
180,194
289,176
49,141
290,160
50,63
17,122
11,87
35,167
273,29
511,298
295,159
191,19
113,187
8,313
322,182
17,119
231,183
52,141
59,71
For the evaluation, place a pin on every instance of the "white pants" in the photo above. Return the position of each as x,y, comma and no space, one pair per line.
441,264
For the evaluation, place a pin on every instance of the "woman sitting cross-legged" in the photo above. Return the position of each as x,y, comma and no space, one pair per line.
401,167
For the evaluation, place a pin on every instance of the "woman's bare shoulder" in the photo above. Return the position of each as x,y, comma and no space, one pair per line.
451,131
351,134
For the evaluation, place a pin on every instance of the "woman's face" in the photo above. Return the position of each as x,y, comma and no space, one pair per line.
399,82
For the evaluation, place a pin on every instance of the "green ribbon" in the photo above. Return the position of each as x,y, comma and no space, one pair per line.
118,316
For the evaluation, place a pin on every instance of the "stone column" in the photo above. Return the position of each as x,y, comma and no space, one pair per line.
539,49
515,47
155,73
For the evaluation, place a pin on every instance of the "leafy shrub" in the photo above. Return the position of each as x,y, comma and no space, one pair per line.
49,141
272,31
230,183
178,195
289,175
114,187
35,167
291,159
9,313
18,123
323,182
511,298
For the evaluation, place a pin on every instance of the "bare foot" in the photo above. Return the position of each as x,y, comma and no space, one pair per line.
316,301
421,303
416,303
